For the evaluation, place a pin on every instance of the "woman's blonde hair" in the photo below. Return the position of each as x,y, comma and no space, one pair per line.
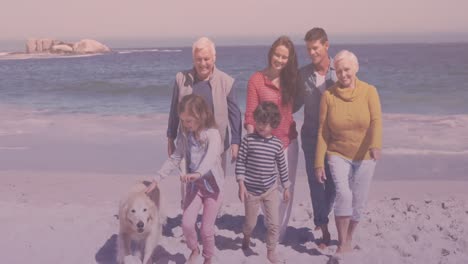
195,106
349,56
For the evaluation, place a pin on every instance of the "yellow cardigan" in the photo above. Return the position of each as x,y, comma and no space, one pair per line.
350,123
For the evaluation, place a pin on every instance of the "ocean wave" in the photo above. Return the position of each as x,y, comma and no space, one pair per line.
147,50
423,135
106,89
13,148
30,56
450,120
453,122
171,50
409,151
137,51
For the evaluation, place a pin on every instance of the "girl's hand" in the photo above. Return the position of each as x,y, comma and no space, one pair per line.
286,195
242,192
190,177
151,187
320,175
375,153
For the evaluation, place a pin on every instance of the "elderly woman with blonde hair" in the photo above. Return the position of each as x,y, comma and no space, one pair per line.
350,134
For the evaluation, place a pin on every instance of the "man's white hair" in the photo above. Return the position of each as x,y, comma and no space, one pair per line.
347,55
204,43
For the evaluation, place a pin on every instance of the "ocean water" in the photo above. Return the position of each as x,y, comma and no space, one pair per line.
423,79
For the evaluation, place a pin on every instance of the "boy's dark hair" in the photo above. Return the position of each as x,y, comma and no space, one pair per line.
316,34
267,113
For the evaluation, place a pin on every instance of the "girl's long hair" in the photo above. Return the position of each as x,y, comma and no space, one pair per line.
288,75
195,106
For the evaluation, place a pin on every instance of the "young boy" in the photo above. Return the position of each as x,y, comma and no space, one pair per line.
260,160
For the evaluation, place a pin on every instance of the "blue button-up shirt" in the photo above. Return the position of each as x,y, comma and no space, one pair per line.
309,95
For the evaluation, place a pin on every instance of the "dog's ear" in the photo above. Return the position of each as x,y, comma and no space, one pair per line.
123,212
155,196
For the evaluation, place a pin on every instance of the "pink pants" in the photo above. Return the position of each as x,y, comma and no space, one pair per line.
194,199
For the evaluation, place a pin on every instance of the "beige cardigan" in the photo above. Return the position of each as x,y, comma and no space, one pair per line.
221,84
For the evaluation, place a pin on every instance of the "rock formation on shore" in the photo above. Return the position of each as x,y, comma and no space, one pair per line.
84,46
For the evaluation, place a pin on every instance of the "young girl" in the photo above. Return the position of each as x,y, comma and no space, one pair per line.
199,143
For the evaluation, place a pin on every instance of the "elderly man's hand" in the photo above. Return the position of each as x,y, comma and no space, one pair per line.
234,152
170,146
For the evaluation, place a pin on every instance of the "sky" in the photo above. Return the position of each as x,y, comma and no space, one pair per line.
235,22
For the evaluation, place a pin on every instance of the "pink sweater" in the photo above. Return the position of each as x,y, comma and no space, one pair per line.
260,89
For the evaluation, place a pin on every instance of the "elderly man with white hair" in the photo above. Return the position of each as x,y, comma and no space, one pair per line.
350,134
216,87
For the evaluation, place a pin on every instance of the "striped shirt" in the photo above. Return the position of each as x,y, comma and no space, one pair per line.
259,161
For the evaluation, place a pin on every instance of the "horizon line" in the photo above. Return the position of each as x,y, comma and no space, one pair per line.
235,41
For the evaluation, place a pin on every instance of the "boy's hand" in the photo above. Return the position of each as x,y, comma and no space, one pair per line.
190,177
151,187
286,195
242,191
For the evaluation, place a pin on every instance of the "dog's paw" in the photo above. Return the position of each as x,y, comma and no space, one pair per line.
130,259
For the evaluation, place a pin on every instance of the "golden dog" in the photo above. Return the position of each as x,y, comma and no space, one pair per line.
141,221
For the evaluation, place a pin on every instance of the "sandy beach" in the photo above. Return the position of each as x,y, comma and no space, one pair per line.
63,176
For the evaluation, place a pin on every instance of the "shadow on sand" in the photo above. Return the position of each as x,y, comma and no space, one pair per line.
107,254
295,238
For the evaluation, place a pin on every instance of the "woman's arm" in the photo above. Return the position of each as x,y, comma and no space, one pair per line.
252,103
375,123
323,133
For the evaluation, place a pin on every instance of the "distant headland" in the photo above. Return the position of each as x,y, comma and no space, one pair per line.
36,48
84,46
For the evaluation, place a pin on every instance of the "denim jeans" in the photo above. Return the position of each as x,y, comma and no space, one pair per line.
322,195
352,180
